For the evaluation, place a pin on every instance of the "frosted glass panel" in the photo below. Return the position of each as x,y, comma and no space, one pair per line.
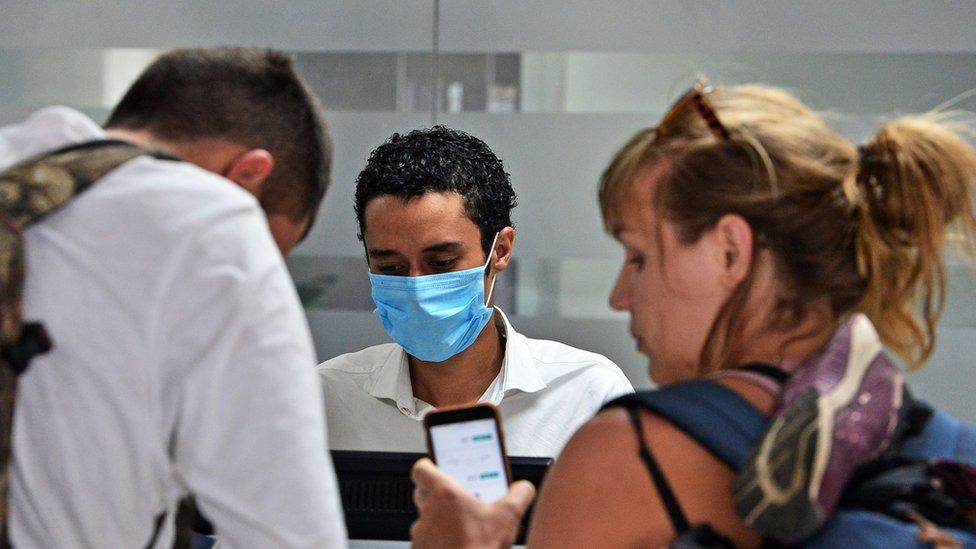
97,78
553,86
949,378
499,25
853,83
354,134
708,26
373,25
554,161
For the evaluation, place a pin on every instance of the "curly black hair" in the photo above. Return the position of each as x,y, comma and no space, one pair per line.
440,159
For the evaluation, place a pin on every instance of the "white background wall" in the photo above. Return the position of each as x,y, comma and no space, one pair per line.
590,74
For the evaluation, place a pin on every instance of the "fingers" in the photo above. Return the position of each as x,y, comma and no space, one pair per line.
423,472
423,479
518,498
420,496
428,480
507,513
520,495
450,517
427,476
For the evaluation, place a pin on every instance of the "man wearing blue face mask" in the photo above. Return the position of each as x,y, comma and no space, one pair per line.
434,211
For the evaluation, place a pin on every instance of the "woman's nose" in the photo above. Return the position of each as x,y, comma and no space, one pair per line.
620,294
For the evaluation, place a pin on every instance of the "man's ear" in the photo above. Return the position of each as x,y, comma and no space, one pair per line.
735,243
503,249
250,169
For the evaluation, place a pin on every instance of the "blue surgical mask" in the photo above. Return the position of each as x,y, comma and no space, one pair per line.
434,317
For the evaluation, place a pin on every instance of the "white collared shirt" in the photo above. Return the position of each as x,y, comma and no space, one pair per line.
544,391
181,364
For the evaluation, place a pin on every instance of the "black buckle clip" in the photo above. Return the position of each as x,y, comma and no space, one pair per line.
34,341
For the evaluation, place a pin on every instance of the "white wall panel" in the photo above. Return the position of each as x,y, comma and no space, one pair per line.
863,83
863,57
368,25
555,161
949,379
355,135
708,25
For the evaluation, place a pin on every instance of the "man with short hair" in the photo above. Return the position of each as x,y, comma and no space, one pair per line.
182,363
434,210
240,113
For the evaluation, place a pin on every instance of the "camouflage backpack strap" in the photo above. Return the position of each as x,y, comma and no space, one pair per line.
28,192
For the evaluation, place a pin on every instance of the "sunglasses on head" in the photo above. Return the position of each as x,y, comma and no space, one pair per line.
695,98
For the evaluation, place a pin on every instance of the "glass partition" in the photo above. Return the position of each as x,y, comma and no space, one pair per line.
553,87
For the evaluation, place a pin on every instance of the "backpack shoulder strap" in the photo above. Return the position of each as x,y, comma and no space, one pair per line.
28,192
966,446
943,437
36,187
723,422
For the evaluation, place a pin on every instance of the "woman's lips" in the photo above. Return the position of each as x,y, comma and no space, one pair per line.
640,343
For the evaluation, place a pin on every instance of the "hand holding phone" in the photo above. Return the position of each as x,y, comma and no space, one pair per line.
448,516
467,444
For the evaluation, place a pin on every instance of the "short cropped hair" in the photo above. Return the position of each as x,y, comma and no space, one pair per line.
441,160
247,96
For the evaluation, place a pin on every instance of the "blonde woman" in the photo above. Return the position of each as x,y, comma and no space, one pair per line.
752,231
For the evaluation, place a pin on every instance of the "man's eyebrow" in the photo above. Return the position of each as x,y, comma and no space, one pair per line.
445,247
379,254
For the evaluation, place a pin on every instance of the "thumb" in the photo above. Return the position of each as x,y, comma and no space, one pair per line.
519,497
426,476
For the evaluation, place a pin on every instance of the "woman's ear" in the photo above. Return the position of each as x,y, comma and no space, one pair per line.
250,170
503,249
735,243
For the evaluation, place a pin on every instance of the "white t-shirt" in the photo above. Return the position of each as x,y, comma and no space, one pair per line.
544,392
181,363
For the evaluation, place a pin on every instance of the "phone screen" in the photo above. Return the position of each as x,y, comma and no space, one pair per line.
471,453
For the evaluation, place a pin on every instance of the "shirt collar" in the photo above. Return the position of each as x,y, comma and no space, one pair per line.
391,381
47,129
519,370
518,373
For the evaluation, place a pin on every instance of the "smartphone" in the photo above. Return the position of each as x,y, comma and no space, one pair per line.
467,444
